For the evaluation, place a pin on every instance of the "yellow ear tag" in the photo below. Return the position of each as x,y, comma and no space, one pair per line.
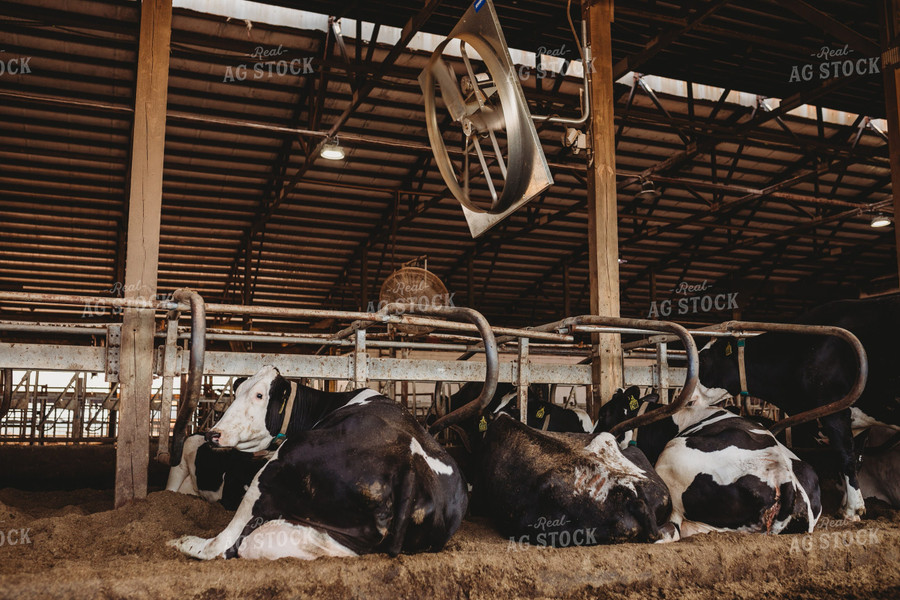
482,424
728,349
540,413
633,405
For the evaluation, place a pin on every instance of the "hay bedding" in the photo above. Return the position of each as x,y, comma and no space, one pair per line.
82,549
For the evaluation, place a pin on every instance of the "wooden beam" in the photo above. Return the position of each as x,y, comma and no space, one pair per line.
831,25
142,255
603,234
890,69
664,40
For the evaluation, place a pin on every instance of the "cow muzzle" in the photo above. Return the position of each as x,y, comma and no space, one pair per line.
212,436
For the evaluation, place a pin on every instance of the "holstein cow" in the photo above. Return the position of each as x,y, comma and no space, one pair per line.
799,372
542,414
355,474
724,472
879,471
213,474
558,489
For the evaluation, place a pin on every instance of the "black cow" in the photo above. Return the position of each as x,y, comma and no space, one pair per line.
559,489
355,474
799,372
214,475
725,473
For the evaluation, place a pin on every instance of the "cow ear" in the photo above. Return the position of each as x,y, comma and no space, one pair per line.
651,397
236,383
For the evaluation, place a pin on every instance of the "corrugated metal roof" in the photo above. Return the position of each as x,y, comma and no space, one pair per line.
63,182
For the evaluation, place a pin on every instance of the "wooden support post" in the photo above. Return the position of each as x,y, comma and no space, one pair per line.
78,413
142,256
360,360
364,280
404,385
890,69
6,378
567,293
603,234
662,371
522,380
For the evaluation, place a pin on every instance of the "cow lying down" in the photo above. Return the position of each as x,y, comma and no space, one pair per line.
565,489
355,474
215,475
726,473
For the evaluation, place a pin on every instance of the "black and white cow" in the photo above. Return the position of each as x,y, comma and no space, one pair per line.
564,489
213,474
800,372
879,471
355,474
542,414
724,472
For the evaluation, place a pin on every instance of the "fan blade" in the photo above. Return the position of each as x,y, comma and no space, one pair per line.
446,80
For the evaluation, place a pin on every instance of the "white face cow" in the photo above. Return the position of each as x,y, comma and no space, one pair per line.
243,426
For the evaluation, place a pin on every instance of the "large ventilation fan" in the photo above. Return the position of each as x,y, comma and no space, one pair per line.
497,163
414,285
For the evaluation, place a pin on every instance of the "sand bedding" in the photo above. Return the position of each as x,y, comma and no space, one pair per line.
80,548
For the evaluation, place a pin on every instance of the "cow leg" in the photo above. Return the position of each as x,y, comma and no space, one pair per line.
280,539
181,477
837,428
178,476
206,549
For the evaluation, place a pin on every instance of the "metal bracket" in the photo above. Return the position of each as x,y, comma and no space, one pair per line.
113,347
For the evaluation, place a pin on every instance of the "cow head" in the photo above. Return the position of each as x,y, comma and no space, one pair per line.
253,419
719,365
624,405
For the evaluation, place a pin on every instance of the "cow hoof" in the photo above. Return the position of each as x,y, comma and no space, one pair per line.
668,533
190,545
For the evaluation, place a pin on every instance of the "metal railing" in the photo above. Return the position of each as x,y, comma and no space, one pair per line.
456,329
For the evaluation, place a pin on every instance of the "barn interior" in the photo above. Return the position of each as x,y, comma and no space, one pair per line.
731,167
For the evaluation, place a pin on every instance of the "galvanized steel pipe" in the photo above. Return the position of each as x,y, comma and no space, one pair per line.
195,373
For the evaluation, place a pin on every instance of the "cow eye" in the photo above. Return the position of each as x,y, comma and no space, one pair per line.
259,396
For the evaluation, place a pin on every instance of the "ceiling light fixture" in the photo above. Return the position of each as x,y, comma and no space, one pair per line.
648,191
332,150
880,220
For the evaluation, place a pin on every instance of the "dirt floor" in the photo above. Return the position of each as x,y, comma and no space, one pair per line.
79,548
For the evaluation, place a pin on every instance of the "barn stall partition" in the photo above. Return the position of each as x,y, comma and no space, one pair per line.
341,356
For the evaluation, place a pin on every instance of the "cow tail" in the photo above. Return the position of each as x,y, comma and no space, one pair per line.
403,507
